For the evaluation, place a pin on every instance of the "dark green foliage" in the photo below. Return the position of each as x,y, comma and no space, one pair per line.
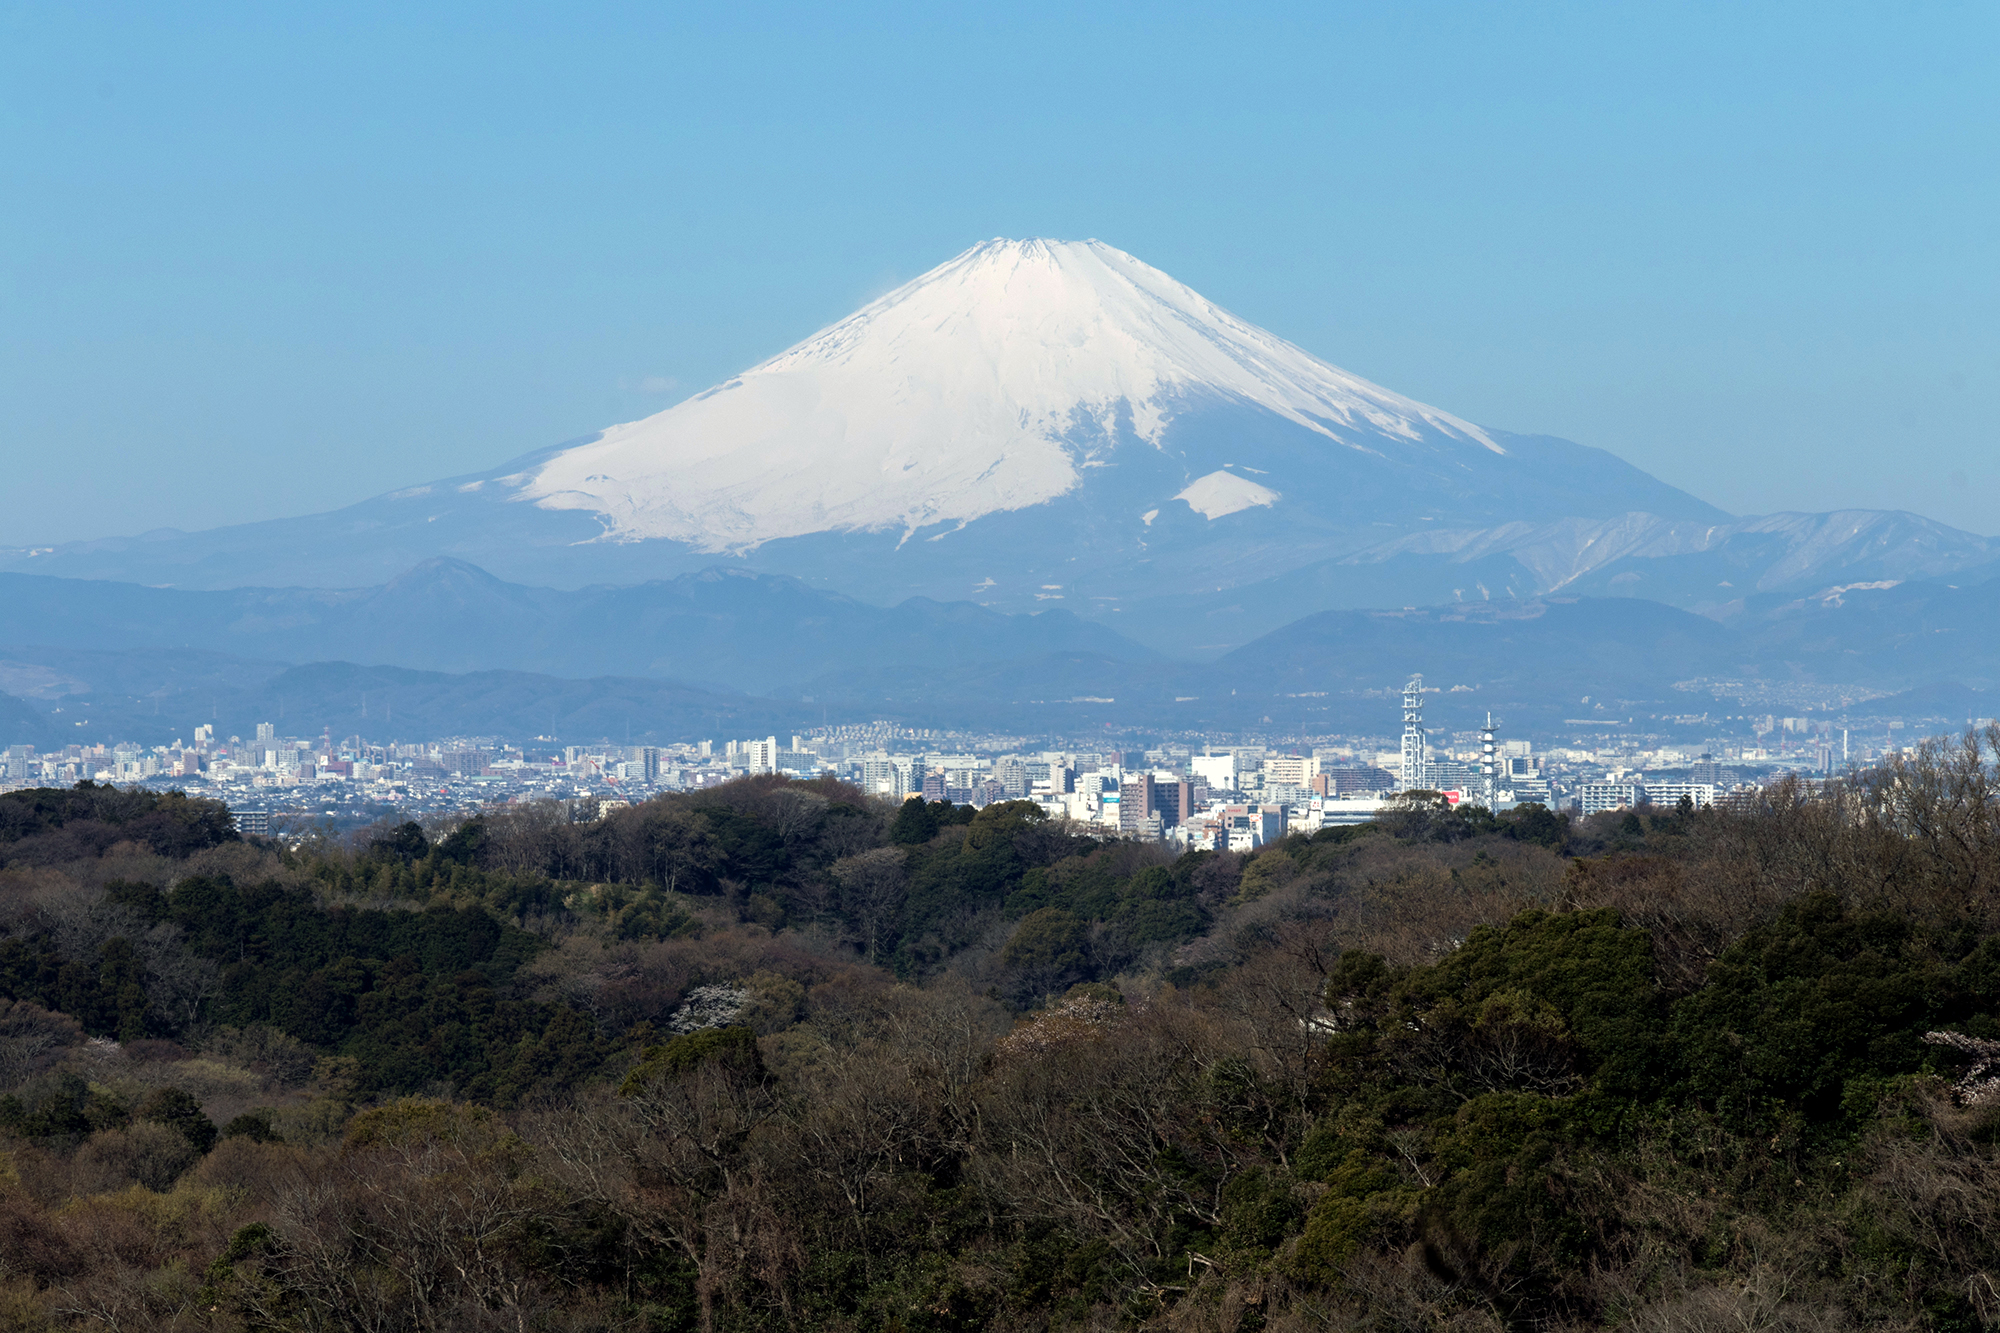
1559,993
60,1105
732,1048
46,824
1051,948
1803,1012
954,879
1152,904
416,996
461,846
648,914
917,821
105,993
405,842
179,1111
1534,822
255,1125
1423,816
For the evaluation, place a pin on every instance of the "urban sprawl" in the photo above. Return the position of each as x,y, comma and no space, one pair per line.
1199,794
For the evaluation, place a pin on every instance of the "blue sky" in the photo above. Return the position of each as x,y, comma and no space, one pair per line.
263,260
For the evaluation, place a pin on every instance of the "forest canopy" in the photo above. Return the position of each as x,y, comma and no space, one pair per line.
778,1054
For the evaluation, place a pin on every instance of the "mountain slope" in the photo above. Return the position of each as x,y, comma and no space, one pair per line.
1724,570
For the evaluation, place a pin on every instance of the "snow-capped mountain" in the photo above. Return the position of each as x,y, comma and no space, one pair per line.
1046,420
995,382
1031,422
1051,423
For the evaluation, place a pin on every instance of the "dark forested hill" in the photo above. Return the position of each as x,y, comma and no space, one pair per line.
778,1055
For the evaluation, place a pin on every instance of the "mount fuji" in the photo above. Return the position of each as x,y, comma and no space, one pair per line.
1026,373
1033,424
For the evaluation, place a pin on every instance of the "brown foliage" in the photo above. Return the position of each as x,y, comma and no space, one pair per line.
31,1245
1081,1131
143,1153
33,1040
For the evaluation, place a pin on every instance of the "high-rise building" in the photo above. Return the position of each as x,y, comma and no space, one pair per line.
1136,799
880,778
1217,770
1289,770
266,733
1145,797
895,776
649,763
1012,775
1453,775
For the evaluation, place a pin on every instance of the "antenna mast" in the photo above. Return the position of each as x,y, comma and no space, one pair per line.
1416,760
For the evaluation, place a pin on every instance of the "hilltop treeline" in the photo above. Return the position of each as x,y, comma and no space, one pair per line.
778,1055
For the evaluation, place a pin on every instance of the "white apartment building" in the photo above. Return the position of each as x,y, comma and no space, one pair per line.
1289,770
1668,794
1594,798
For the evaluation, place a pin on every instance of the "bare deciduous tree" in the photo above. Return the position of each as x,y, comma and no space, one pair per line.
872,886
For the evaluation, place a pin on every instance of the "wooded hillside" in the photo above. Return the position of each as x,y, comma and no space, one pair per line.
774,1055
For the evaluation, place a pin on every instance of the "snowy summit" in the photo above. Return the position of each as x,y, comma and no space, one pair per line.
1032,423
995,382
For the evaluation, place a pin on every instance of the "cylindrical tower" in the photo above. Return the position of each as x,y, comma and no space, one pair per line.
1489,762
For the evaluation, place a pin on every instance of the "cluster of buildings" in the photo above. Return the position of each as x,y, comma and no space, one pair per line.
1197,793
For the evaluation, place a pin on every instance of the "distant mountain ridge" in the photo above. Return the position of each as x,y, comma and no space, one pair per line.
143,697
730,646
1721,570
727,628
1031,424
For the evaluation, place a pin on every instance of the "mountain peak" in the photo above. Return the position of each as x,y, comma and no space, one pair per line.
994,382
